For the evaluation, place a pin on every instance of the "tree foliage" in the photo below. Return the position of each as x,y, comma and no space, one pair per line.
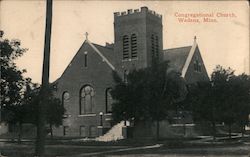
225,99
12,80
148,94
19,96
54,110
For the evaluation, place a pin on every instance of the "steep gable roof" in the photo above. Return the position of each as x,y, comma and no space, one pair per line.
108,52
180,57
100,53
177,56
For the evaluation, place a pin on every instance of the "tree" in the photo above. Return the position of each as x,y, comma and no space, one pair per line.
23,110
202,102
54,112
53,109
12,81
147,94
240,100
223,93
225,99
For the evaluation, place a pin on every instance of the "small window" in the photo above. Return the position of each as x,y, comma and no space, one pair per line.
125,76
85,59
83,132
65,130
65,98
92,131
197,65
109,100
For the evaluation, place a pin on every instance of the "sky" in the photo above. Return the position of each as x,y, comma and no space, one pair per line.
225,41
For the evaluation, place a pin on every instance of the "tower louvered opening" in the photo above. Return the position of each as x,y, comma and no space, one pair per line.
156,48
133,46
125,47
152,45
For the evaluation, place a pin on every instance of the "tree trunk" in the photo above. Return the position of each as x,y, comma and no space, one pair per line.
242,129
40,142
157,129
51,131
214,130
184,129
20,132
229,130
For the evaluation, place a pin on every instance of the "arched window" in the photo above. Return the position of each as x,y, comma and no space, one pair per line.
125,41
65,100
86,99
133,46
197,65
109,100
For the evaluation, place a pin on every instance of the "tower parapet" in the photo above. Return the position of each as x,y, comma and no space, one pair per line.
138,37
137,11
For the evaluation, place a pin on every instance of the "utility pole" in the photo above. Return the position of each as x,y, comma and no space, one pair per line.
41,132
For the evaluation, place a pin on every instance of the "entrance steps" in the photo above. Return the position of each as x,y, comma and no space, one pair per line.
115,133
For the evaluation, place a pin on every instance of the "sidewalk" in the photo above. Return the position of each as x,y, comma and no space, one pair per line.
118,150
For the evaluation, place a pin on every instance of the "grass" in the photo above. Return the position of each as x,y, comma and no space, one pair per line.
69,147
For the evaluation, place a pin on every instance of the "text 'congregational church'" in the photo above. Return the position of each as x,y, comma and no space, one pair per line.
85,85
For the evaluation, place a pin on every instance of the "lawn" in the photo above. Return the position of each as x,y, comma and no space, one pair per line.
177,146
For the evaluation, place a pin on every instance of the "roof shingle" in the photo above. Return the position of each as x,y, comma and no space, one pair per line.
177,57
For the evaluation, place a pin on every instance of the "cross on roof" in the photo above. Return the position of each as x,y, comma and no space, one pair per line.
86,34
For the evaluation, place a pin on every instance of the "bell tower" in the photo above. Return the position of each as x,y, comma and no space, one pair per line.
138,38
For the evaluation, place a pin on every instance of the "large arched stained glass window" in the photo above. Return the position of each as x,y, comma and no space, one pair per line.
86,99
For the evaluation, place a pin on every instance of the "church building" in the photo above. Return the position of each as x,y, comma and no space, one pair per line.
85,85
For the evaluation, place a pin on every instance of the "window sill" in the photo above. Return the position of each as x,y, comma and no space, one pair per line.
130,59
197,71
67,115
108,119
107,114
87,115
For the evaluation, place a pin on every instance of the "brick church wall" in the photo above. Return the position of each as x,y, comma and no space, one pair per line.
98,75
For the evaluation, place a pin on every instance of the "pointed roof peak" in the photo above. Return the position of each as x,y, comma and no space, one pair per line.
86,35
195,38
